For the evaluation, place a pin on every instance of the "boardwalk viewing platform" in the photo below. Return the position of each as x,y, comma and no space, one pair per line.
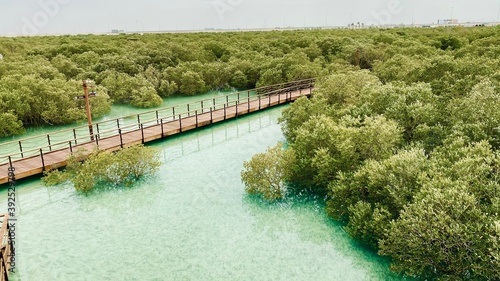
32,156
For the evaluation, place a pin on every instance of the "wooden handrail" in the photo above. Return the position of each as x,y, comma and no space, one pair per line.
5,249
34,152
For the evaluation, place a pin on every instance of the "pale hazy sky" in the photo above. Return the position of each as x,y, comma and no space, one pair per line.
29,17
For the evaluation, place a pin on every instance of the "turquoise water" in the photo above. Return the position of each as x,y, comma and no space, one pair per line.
192,221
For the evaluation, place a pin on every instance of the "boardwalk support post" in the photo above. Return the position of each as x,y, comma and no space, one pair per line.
139,120
225,112
48,140
162,132
196,113
70,147
157,117
142,133
43,161
10,161
211,116
189,111
74,136
121,138
180,123
21,149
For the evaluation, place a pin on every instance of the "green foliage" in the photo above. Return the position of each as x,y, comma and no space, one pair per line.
265,174
138,70
105,168
406,155
444,234
55,177
135,90
9,125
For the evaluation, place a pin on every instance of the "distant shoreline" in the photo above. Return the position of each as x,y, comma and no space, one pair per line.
223,30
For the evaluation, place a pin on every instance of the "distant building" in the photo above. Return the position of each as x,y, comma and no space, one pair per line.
448,21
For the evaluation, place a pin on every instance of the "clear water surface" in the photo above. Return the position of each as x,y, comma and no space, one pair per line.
191,221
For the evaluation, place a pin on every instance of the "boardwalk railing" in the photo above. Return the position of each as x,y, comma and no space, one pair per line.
68,139
5,247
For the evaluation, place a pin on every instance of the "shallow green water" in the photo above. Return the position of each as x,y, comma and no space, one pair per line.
192,221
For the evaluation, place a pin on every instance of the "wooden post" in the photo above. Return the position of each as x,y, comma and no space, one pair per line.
118,124
227,100
98,132
259,101
97,140
173,112
211,116
225,112
70,147
157,117
142,133
48,140
202,107
162,132
87,107
237,108
139,120
21,149
43,162
269,105
248,102
74,135
180,123
10,161
196,113
121,138
214,103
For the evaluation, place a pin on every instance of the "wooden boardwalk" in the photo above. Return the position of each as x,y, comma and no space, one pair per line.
55,155
6,248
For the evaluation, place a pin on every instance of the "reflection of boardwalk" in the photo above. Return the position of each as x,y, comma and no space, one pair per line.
55,155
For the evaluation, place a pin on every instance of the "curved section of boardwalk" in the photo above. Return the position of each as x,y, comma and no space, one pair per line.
56,155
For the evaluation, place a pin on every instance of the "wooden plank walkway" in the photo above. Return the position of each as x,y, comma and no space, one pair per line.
6,249
152,130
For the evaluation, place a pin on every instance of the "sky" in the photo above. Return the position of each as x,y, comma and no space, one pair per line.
40,17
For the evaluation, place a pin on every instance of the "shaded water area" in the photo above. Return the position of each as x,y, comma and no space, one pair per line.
191,221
